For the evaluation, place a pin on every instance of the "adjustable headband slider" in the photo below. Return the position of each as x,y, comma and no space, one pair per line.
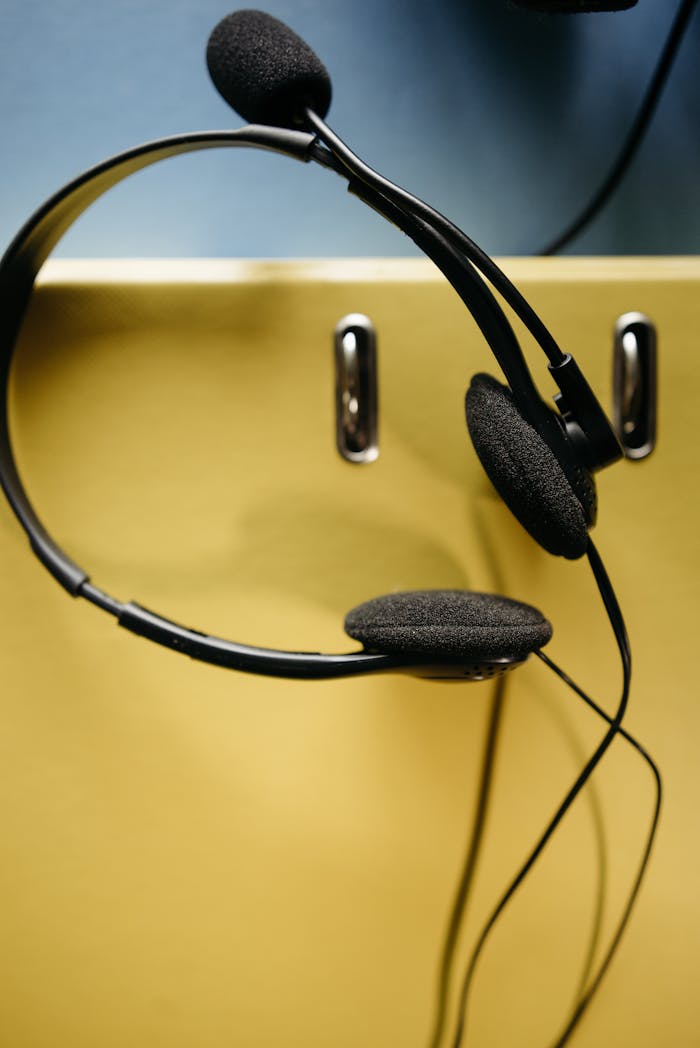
66,573
584,420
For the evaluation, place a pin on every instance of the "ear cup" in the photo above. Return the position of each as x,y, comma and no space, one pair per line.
524,470
456,623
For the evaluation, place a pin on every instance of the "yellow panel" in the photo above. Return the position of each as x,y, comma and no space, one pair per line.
194,858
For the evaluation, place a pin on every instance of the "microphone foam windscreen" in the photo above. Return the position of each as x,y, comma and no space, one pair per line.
457,623
265,71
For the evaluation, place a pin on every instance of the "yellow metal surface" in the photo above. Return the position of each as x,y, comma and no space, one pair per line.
198,859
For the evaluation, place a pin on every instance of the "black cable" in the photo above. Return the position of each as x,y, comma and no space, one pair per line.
474,292
586,997
476,256
470,862
635,134
616,621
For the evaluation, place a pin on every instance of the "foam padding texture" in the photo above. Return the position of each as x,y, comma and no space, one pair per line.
449,622
265,71
524,470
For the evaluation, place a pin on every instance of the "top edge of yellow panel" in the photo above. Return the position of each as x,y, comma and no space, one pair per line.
335,270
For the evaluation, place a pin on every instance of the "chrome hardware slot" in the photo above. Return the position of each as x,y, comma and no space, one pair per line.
356,398
635,385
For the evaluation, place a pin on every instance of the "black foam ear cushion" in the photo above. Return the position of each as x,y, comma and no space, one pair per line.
457,623
524,470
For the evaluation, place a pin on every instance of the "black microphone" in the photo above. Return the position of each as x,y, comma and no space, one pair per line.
267,73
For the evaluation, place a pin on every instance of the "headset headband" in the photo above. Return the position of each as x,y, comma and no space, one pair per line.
18,270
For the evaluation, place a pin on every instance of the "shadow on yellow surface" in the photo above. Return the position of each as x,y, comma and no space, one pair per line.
193,857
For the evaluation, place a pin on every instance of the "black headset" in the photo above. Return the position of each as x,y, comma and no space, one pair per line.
539,459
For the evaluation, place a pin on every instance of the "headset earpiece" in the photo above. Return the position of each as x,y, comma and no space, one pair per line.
526,473
270,75
487,632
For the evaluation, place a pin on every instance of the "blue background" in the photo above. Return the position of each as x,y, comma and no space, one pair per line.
503,119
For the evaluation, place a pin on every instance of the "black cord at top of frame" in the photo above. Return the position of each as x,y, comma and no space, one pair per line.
635,134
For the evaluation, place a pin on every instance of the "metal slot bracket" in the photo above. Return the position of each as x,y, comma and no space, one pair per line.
635,385
356,398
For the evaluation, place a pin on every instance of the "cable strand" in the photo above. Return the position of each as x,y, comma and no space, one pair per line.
588,994
616,620
476,256
469,865
635,135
